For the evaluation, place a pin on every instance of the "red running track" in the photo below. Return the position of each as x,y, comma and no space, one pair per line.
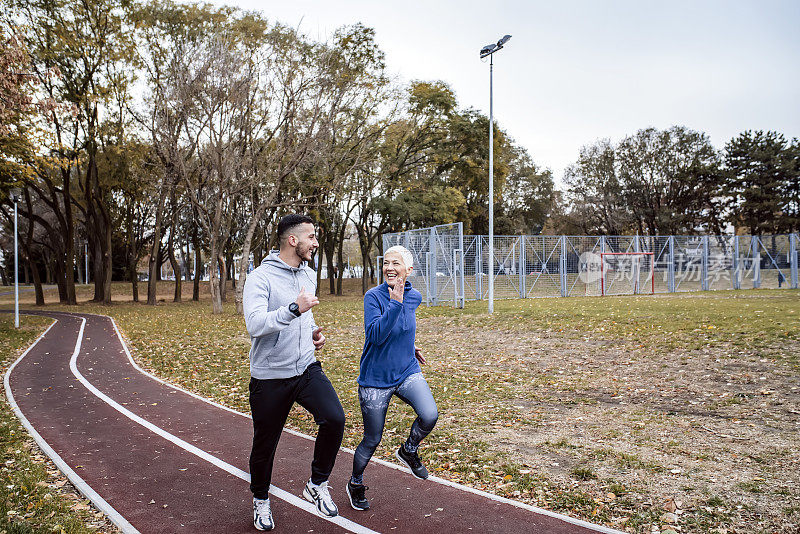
156,458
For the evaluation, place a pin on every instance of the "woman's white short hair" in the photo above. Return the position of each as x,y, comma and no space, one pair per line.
408,258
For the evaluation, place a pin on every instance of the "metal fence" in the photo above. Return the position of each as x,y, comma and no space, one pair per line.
450,267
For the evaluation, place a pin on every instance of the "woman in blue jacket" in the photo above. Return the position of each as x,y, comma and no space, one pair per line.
390,366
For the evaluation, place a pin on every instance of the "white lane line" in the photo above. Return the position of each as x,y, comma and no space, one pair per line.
73,477
433,478
235,471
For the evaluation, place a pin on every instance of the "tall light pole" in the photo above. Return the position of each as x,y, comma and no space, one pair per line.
15,193
489,50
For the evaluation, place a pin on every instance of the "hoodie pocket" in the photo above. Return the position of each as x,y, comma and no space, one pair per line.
274,354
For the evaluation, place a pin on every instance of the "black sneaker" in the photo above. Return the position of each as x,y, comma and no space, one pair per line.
358,499
411,459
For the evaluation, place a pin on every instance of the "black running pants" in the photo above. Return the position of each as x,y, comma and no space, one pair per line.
270,403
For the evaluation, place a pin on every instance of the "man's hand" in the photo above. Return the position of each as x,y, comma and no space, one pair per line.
418,355
397,292
306,301
319,338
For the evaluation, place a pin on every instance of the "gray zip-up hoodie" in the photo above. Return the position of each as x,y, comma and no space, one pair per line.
281,343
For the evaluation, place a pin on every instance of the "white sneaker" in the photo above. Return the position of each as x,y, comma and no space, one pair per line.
321,497
262,515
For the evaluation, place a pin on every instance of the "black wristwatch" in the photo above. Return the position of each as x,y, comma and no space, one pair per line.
295,309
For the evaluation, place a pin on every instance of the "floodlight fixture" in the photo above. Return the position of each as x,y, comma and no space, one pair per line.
488,49
503,41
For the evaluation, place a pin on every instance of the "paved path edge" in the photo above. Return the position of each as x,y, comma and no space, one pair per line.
75,479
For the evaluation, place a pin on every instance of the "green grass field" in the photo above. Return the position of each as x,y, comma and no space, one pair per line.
637,412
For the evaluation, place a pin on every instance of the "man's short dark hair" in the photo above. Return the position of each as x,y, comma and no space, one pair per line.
289,222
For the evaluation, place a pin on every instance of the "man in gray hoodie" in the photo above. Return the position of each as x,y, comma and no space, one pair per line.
278,297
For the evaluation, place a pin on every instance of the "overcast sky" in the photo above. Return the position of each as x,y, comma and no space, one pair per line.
578,71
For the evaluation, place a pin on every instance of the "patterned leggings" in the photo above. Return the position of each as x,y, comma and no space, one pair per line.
415,392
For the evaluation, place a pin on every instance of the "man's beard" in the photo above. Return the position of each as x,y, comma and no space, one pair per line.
305,254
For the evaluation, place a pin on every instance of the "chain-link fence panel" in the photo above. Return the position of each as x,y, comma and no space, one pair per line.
775,257
507,250
473,274
661,248
747,265
542,266
688,263
582,265
720,265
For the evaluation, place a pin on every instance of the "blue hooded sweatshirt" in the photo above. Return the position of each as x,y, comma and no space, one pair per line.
389,328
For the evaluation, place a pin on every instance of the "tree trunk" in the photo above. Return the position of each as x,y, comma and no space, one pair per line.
365,281
244,263
187,260
198,262
99,220
231,269
331,271
223,277
37,280
154,265
97,269
37,284
134,279
216,295
61,282
107,259
198,271
69,256
319,270
364,245
175,267
329,246
340,262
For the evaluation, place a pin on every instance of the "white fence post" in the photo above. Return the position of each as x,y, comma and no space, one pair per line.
671,268
562,265
737,264
793,259
428,278
704,280
755,252
602,280
522,289
433,265
479,267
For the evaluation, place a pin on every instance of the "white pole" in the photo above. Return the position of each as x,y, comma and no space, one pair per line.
16,269
491,190
86,262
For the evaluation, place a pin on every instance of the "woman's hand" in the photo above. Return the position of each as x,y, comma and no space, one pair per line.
396,292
